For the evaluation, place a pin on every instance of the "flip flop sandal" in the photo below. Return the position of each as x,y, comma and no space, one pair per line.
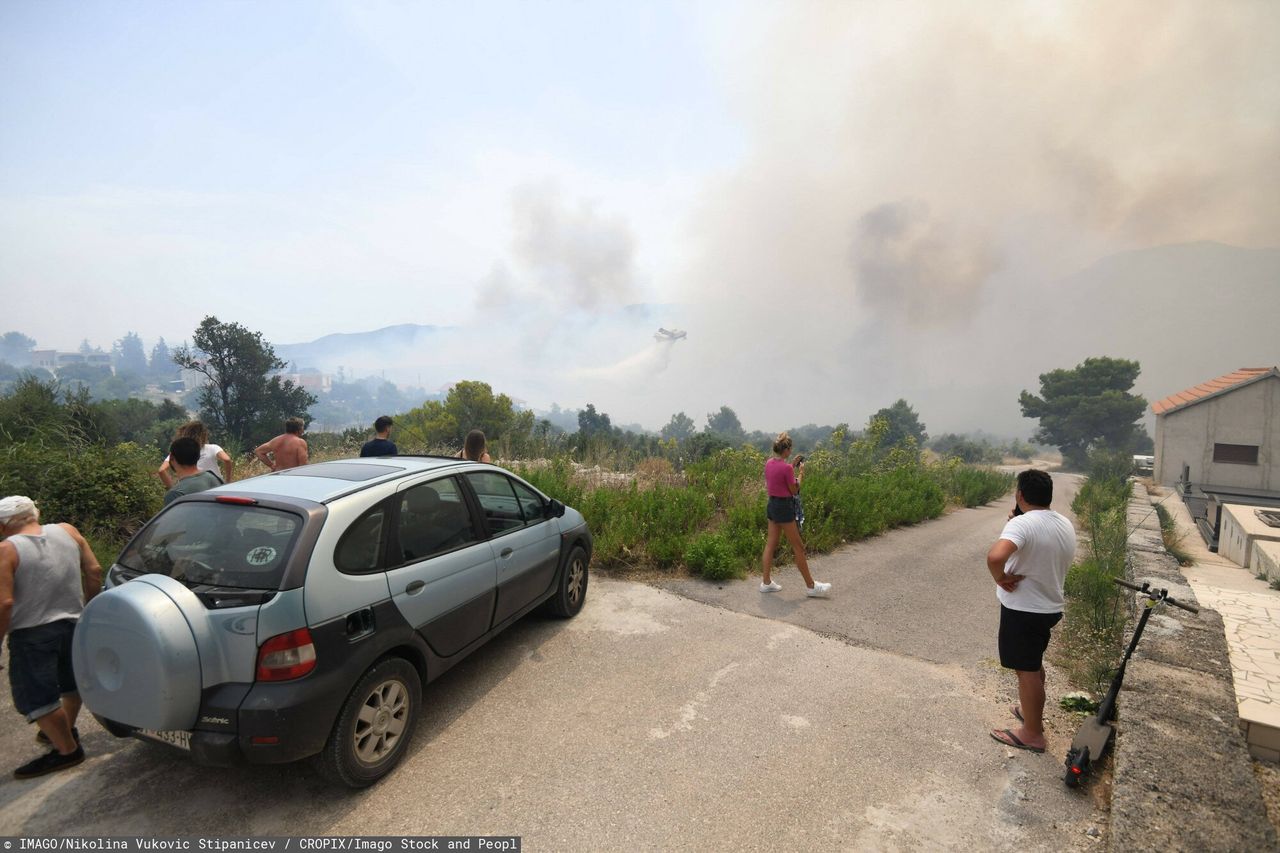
1013,741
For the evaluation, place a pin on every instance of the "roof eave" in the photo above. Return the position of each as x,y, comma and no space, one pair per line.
1273,372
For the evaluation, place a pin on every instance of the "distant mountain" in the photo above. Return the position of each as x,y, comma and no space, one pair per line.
402,351
358,348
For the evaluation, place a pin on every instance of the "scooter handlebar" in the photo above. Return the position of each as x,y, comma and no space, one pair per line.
1160,594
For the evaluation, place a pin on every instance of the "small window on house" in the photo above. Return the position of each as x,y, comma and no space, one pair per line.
1240,454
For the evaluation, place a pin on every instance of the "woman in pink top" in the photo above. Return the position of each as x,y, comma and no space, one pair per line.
782,484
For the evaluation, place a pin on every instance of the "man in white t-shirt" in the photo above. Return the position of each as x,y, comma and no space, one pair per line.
1029,565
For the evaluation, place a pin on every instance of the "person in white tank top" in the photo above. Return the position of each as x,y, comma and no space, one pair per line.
47,573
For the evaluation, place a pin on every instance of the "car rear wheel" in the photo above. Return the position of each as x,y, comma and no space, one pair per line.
571,591
373,729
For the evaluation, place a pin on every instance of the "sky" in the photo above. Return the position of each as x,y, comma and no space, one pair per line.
842,202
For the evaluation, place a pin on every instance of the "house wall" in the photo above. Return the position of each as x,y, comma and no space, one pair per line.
1246,415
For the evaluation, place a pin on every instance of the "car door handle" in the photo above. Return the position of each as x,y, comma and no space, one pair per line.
506,552
415,587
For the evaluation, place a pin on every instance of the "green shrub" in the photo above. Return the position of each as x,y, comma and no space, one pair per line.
107,489
1094,601
715,521
106,545
711,556
1096,608
971,486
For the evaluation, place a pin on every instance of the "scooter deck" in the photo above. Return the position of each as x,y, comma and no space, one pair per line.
1094,736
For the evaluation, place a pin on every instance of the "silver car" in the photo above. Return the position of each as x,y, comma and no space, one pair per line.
298,614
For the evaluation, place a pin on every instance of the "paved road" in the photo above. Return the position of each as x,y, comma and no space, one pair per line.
920,591
656,722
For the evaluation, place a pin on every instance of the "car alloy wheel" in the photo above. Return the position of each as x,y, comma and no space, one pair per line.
571,590
381,721
577,581
372,731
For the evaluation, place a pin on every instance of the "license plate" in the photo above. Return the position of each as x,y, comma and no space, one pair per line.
182,740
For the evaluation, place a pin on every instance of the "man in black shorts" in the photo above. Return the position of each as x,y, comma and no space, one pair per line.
1029,565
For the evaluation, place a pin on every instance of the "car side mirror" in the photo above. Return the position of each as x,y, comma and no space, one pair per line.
554,509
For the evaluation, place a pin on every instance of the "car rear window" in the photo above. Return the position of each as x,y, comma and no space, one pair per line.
215,544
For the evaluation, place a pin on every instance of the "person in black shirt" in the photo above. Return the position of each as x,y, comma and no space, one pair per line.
382,445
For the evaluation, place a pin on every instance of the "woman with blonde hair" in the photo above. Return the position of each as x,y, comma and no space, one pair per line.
783,484
212,457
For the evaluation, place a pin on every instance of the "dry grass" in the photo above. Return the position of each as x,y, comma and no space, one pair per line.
1173,537
1269,781
656,471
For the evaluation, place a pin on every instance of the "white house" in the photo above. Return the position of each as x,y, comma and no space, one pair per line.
1224,432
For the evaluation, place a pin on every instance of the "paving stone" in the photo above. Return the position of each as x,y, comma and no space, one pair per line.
1264,736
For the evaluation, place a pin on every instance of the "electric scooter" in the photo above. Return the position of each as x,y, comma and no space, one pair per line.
1095,734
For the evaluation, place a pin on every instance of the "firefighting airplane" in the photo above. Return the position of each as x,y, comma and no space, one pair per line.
669,334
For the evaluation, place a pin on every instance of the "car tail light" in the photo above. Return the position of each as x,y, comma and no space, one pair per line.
286,656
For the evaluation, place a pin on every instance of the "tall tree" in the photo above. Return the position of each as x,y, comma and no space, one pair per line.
680,427
469,405
1087,407
161,365
592,423
725,424
903,423
240,399
15,348
130,357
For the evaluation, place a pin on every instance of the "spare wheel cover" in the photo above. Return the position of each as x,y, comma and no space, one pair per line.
135,656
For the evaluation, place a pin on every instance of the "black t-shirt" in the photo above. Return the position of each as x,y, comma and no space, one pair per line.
379,447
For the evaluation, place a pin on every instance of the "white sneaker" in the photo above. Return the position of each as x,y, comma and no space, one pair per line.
771,586
818,590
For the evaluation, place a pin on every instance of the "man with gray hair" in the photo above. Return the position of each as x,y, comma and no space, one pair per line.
47,573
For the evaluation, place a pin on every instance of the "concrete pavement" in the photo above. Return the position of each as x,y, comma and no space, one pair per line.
1250,611
650,722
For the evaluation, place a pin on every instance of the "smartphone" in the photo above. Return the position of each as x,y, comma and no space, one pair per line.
1017,510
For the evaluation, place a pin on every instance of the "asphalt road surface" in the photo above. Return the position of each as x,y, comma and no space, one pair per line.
693,717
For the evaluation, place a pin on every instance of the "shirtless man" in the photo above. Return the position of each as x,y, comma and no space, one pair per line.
287,450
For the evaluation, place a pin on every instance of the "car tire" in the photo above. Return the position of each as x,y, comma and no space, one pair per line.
375,725
571,590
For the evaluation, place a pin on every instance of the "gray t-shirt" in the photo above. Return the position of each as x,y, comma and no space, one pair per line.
46,585
190,485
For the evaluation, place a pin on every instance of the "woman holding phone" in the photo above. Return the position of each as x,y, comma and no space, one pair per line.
783,483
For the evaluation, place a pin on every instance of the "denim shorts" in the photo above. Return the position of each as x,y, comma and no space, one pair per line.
781,510
40,667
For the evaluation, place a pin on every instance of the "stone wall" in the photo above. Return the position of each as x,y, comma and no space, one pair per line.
1183,778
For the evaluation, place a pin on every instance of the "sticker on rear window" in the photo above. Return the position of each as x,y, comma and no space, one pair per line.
260,556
